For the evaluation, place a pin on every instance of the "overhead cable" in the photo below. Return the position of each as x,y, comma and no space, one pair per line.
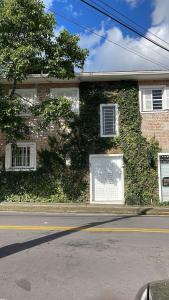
129,19
85,28
121,22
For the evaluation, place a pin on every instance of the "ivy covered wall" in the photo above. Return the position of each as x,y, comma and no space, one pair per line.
140,155
55,181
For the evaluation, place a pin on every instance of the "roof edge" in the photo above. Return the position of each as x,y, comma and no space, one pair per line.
98,76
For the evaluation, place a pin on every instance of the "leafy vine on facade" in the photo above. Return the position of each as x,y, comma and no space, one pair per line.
55,181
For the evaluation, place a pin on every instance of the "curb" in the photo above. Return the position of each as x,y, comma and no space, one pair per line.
84,208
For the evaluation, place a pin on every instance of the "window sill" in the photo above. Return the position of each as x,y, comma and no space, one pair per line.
108,136
155,111
20,169
24,114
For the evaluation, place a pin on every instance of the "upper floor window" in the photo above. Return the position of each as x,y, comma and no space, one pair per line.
154,98
108,120
28,98
21,156
70,93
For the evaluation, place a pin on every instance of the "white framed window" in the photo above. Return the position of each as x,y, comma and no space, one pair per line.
108,120
20,157
28,97
154,98
70,93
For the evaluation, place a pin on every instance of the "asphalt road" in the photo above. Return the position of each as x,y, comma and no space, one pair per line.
80,257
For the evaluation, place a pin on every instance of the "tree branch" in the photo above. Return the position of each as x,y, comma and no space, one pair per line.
13,88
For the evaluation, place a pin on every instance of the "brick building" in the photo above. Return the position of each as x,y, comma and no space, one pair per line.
106,168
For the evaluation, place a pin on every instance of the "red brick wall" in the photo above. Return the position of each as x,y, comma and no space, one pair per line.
156,124
2,144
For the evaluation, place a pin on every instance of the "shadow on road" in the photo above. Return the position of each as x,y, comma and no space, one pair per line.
18,247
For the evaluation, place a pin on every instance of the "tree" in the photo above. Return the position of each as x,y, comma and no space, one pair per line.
28,45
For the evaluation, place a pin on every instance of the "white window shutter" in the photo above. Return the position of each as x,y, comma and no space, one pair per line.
8,157
33,156
166,98
147,103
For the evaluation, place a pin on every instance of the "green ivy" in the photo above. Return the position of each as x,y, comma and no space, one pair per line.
140,155
42,186
55,182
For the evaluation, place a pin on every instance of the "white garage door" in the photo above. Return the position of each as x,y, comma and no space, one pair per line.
107,179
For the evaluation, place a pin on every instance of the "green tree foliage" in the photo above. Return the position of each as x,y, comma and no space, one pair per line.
28,45
53,111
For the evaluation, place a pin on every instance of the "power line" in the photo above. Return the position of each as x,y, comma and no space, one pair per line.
106,13
121,22
127,18
144,44
110,41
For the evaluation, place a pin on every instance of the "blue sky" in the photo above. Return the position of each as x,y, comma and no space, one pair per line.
90,18
106,56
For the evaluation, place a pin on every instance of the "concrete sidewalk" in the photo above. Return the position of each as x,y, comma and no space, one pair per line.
84,208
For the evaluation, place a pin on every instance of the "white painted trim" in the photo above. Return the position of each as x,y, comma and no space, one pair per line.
152,87
96,76
140,99
162,111
122,169
20,144
155,86
159,173
117,119
159,177
110,154
90,176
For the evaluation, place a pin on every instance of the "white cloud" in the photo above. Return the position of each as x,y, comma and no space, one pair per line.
48,3
160,13
105,56
70,8
133,3
91,40
58,29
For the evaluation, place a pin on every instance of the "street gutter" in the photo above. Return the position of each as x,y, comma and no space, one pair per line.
84,208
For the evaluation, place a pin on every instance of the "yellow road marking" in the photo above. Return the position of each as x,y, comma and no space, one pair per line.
90,229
